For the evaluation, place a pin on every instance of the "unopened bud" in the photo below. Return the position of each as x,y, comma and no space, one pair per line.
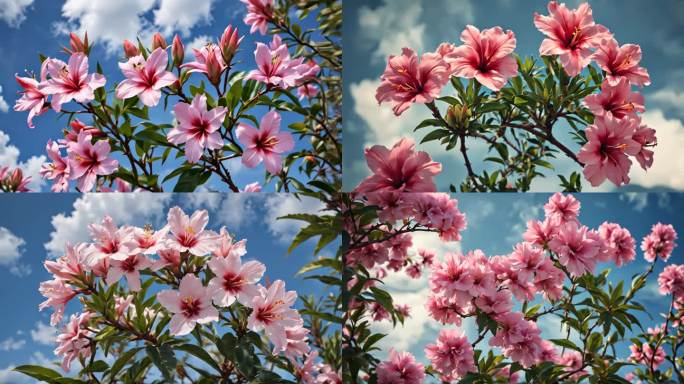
158,42
76,43
130,49
213,69
15,179
230,41
454,115
177,51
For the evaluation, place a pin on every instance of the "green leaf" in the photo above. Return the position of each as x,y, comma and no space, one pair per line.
38,372
565,343
122,361
435,135
164,359
201,354
191,179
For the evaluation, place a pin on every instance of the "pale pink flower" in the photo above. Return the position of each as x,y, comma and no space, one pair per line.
32,98
486,56
265,143
518,338
549,280
605,155
573,362
58,294
88,160
190,305
452,354
400,368
258,14
121,304
659,243
645,354
571,34
540,232
148,241
276,67
234,280
297,342
130,268
406,81
621,244
227,247
74,341
400,169
671,280
188,233
58,170
71,81
73,264
369,255
575,249
562,208
445,310
271,312
621,62
197,127
307,91
145,78
452,277
167,257
646,138
615,100
526,259
110,241
495,302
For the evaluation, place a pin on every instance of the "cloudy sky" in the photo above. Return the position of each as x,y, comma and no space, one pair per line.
496,223
34,228
31,27
374,29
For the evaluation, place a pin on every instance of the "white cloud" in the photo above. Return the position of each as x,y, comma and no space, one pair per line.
9,157
11,251
3,104
124,208
638,200
278,205
13,12
667,97
668,157
44,334
203,199
236,209
522,211
110,22
12,344
8,376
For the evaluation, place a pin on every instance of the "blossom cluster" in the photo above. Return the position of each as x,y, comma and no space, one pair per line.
185,250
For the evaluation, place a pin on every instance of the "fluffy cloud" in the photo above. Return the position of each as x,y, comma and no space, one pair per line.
112,21
43,334
3,104
278,205
639,201
9,157
11,251
12,344
12,11
668,154
124,208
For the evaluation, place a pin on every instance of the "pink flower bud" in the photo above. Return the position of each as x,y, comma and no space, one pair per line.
230,41
15,179
76,43
177,51
214,69
158,42
130,49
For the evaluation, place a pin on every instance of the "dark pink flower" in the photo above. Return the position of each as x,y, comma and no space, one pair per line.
621,62
485,56
646,138
570,34
70,81
190,305
671,280
258,14
145,78
562,208
406,81
32,98
659,243
615,100
452,354
401,368
265,143
88,160
575,249
58,170
276,67
197,127
621,244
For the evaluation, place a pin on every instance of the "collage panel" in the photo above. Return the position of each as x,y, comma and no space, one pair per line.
175,96
501,95
167,288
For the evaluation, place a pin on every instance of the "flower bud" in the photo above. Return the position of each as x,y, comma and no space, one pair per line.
3,173
130,49
158,42
230,41
177,51
76,43
213,69
454,115
15,179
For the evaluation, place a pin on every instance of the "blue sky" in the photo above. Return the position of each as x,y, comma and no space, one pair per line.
43,27
374,29
39,225
496,223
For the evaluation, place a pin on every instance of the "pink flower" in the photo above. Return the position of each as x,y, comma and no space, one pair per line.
145,78
207,59
190,305
265,143
32,98
274,66
400,169
234,280
646,138
549,280
70,82
570,34
148,241
605,155
188,234
452,277
452,355
228,248
297,342
540,232
671,280
258,14
659,243
406,81
439,211
58,170
74,341
271,312
110,241
621,244
495,302
485,56
518,338
621,62
252,187
130,268
526,259
644,354
378,313
615,100
562,208
88,160
573,362
307,91
58,294
167,257
71,135
445,310
575,249
197,127
401,368
73,264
